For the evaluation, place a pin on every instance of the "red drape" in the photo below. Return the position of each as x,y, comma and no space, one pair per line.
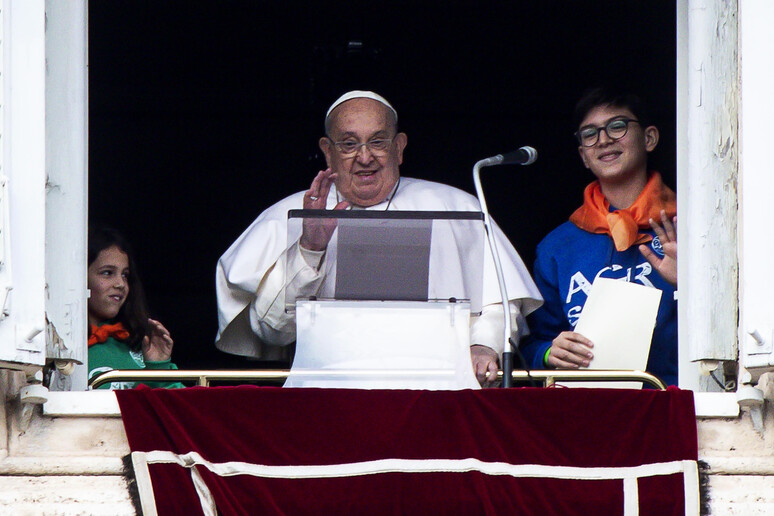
507,428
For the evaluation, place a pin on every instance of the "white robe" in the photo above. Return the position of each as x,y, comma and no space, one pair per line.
251,275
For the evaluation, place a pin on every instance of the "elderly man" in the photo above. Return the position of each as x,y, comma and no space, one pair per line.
363,150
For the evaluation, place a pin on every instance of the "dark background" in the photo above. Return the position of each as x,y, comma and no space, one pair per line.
204,114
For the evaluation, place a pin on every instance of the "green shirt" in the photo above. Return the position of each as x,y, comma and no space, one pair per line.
115,354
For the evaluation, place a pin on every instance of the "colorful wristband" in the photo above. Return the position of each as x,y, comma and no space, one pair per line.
545,357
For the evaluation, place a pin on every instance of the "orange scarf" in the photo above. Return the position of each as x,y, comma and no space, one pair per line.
100,334
624,225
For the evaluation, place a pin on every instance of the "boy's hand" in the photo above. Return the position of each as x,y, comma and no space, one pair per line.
667,234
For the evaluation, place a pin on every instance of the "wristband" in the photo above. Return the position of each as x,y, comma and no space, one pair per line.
545,357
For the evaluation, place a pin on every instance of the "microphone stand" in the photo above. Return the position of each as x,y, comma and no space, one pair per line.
507,329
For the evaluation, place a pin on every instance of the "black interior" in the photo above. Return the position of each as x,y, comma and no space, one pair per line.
202,114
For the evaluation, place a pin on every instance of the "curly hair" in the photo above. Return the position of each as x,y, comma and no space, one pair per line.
134,312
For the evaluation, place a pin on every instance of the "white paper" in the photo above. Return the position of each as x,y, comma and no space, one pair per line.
619,318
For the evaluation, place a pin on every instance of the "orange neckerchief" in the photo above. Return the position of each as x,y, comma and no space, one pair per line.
100,334
623,225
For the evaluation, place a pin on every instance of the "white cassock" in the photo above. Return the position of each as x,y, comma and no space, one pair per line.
252,274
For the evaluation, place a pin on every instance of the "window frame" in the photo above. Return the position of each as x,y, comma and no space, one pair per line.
690,83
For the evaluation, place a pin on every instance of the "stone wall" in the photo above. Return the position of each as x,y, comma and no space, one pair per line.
59,465
740,461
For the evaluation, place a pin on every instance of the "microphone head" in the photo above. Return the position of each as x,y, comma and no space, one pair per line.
531,153
524,156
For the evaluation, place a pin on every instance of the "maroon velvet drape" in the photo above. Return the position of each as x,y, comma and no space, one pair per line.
554,427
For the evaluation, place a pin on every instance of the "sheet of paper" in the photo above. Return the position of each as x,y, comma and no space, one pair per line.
619,318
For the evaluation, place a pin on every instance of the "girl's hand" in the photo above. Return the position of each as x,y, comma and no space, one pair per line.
157,347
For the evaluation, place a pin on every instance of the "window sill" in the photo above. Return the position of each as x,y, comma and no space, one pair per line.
104,404
716,404
82,404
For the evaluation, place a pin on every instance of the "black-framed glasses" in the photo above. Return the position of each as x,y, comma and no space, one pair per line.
615,130
377,146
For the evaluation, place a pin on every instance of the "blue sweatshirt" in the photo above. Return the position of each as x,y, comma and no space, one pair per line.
568,260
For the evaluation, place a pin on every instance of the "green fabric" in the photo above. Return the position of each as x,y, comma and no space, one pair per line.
115,354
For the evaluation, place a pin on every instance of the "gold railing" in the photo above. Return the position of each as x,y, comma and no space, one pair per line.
203,377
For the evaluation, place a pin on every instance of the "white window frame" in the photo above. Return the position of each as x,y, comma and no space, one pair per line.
756,188
725,188
43,184
708,86
22,183
707,101
66,44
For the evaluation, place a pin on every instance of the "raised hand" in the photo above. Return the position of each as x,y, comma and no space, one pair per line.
317,232
157,347
667,234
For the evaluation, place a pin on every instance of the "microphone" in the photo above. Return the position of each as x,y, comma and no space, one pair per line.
524,156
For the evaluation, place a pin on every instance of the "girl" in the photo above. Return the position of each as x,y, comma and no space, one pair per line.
121,335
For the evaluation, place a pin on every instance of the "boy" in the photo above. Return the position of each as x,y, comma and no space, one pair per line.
624,230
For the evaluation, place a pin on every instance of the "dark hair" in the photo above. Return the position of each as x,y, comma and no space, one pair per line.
610,96
134,312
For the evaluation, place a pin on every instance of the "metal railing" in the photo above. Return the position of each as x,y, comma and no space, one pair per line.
203,377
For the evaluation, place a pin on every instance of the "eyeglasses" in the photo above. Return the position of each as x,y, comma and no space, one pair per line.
377,146
615,130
